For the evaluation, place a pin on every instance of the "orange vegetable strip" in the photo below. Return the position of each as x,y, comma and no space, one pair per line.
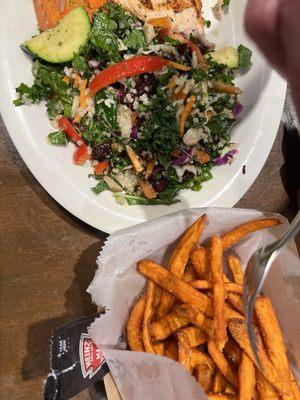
246,377
225,88
82,95
134,159
171,349
198,259
148,313
134,326
185,113
184,350
147,189
229,286
178,66
222,363
171,322
238,331
235,235
179,260
273,339
149,168
236,269
100,167
176,286
215,254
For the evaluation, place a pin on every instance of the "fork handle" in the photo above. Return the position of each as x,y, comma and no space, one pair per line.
289,234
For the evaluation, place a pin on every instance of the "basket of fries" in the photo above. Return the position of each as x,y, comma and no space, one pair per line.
174,326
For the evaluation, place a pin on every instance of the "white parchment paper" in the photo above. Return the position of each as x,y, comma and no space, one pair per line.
117,285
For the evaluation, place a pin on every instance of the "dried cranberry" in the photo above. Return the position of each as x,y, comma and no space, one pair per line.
159,185
101,151
181,48
145,84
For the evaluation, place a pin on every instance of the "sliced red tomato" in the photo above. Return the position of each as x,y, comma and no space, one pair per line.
125,69
81,154
69,129
99,168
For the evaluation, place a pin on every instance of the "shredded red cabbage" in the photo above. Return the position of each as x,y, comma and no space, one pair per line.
227,158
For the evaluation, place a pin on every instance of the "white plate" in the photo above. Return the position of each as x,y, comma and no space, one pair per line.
264,93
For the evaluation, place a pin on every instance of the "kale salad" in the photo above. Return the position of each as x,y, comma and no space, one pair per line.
151,110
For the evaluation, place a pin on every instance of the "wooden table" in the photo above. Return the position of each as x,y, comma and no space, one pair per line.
47,260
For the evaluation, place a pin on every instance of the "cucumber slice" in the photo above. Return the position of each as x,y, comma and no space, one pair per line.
59,44
226,55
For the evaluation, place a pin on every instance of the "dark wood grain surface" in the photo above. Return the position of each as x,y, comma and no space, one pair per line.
47,259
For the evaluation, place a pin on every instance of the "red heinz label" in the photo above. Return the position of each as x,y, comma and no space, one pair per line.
91,356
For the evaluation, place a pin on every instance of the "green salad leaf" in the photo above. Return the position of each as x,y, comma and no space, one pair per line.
58,138
161,133
80,64
103,36
106,109
100,187
135,40
245,55
219,126
135,200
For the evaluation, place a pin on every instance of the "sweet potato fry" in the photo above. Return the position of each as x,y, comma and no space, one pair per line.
295,387
196,317
265,389
196,336
238,331
190,274
234,236
221,396
159,348
233,351
204,376
165,326
230,313
215,254
179,260
148,313
198,357
273,339
171,349
198,259
222,363
134,326
228,388
217,382
184,350
236,269
246,377
236,301
47,13
230,287
176,286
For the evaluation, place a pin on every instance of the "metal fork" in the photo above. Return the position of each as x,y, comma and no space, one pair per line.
256,272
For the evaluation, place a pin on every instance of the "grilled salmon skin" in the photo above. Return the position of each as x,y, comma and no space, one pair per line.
185,14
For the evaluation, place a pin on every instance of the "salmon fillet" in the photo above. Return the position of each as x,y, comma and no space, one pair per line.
185,14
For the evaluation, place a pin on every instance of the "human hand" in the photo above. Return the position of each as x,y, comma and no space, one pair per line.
274,26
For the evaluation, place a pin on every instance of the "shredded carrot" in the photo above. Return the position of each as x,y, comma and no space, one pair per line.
175,153
77,119
225,88
185,113
149,168
66,79
162,22
192,46
82,96
99,168
134,116
76,81
180,95
178,66
172,82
